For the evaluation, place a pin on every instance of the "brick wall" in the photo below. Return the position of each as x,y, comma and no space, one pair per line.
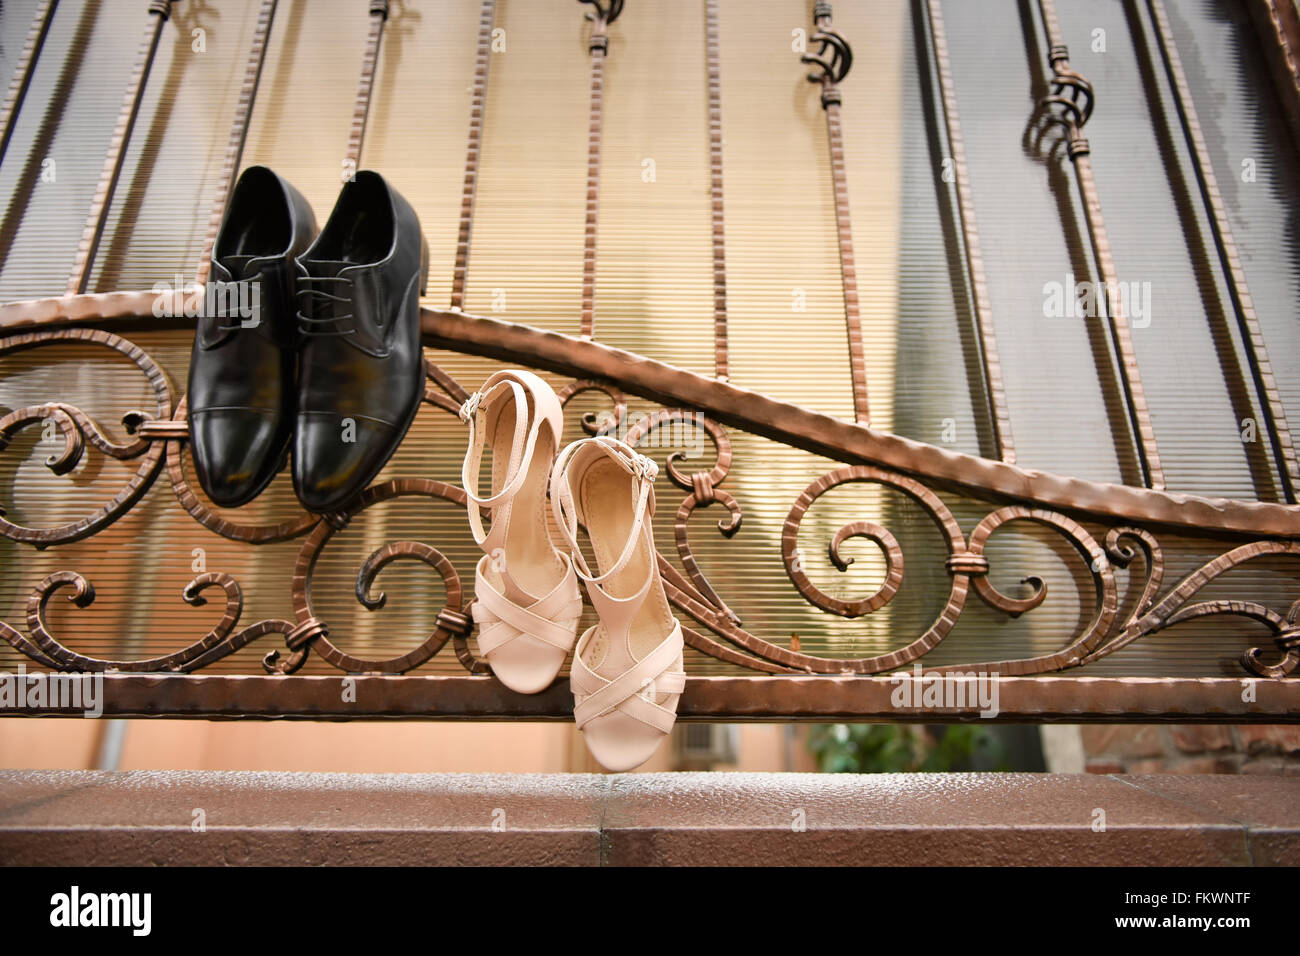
1192,748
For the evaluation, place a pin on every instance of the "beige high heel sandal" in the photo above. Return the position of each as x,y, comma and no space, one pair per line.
526,598
627,672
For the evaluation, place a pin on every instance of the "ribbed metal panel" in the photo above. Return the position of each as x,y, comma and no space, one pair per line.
526,253
1254,159
15,19
1186,346
57,152
781,251
161,209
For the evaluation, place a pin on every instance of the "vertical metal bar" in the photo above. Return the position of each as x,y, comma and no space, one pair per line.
1252,335
366,85
1278,25
27,57
985,332
714,58
112,741
1130,376
593,195
482,59
844,227
848,266
238,132
159,11
598,46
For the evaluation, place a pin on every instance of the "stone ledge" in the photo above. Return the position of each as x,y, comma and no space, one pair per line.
149,818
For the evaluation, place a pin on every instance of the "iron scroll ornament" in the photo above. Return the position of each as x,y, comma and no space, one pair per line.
76,429
157,437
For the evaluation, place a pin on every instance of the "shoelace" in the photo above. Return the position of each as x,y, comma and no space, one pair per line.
307,324
227,298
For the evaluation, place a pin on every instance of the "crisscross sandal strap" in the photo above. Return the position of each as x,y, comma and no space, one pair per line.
643,469
633,691
550,619
473,412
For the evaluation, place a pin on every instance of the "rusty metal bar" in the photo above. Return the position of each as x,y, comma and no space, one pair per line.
27,57
159,11
1069,699
714,58
1073,116
598,45
1244,305
238,131
820,434
848,266
1278,25
985,332
366,85
737,407
593,190
482,59
833,71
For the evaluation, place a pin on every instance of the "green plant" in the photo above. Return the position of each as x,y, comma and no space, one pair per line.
890,748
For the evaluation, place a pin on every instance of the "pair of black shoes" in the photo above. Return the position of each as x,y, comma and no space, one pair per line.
310,339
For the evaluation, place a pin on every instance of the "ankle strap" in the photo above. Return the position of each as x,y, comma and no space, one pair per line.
642,469
473,412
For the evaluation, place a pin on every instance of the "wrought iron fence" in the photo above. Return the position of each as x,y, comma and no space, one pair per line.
1114,530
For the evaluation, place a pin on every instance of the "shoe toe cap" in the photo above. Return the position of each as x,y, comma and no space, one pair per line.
337,456
236,452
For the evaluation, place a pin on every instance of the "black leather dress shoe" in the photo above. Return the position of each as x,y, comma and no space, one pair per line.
241,397
361,371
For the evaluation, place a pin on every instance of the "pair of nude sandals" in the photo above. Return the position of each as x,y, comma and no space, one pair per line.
627,671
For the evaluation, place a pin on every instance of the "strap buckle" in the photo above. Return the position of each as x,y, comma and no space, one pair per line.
468,410
644,468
